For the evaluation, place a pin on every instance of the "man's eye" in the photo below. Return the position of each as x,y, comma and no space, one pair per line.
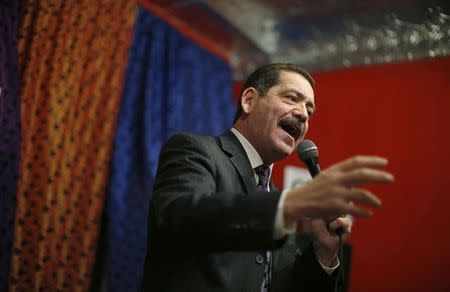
291,98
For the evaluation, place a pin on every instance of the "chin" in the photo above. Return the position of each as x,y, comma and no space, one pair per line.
281,147
284,150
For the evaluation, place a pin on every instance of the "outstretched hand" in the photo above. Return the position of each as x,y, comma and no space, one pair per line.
332,193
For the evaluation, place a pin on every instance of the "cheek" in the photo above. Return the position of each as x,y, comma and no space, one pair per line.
306,129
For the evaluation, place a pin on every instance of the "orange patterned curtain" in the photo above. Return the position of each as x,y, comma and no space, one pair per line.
72,56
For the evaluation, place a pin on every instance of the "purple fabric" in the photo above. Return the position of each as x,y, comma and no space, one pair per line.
9,131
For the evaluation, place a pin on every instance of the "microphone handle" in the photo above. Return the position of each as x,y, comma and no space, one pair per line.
313,166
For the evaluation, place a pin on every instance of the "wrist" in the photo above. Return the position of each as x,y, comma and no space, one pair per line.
330,269
328,262
288,209
326,257
283,227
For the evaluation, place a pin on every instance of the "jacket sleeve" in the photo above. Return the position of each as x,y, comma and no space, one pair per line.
311,276
299,270
185,204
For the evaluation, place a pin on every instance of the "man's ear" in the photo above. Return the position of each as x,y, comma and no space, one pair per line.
248,99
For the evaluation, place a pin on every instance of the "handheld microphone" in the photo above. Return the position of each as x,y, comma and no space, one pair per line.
309,154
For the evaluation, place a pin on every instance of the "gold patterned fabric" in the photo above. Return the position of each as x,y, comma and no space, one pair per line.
72,56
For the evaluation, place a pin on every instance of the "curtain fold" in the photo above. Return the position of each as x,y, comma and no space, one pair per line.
9,131
171,85
72,56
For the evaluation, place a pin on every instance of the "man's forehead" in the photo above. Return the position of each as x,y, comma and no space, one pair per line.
295,82
292,76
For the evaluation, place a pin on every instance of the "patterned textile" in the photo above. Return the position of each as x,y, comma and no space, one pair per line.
263,172
172,85
9,131
72,56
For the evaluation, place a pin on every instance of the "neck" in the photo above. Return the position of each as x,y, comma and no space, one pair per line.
252,137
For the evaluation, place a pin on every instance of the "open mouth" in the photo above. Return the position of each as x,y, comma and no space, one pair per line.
292,127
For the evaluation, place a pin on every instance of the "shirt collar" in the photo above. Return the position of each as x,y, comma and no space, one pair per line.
252,154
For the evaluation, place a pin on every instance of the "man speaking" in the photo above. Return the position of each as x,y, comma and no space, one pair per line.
218,224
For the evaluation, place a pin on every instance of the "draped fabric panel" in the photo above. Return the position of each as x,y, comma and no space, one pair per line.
72,57
171,85
9,131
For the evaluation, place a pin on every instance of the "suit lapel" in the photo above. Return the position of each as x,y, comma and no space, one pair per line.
231,145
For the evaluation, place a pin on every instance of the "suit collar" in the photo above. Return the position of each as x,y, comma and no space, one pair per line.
235,151
253,155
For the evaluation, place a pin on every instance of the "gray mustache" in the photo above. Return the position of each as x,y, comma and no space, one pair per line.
293,122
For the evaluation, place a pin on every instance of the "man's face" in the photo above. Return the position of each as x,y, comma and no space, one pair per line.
278,121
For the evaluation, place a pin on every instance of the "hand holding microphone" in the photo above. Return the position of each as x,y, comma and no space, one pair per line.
330,194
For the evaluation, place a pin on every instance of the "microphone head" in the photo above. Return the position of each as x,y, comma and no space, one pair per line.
307,150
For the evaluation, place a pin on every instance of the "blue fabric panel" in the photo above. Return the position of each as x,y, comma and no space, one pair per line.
171,85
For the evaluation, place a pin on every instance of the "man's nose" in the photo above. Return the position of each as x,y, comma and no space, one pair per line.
301,113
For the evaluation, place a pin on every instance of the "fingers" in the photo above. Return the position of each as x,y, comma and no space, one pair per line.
343,223
359,162
345,203
357,211
333,190
365,175
356,171
362,196
361,169
347,208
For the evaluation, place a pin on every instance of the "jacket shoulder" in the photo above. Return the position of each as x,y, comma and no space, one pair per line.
189,139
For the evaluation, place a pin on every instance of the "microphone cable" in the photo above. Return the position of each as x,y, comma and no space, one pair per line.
340,276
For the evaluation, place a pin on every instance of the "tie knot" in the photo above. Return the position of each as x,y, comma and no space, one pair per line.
263,172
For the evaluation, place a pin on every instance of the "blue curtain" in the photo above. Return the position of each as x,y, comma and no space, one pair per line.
171,85
9,131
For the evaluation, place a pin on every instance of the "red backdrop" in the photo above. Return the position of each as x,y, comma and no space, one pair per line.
401,111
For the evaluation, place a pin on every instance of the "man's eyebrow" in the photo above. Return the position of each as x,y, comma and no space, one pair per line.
292,90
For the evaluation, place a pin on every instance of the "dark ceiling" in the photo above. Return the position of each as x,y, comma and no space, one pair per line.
319,34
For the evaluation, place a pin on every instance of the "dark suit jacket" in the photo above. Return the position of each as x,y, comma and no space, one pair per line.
208,225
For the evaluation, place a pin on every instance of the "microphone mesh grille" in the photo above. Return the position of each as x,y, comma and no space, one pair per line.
307,150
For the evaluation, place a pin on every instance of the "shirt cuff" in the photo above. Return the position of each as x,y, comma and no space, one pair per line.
330,270
280,229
